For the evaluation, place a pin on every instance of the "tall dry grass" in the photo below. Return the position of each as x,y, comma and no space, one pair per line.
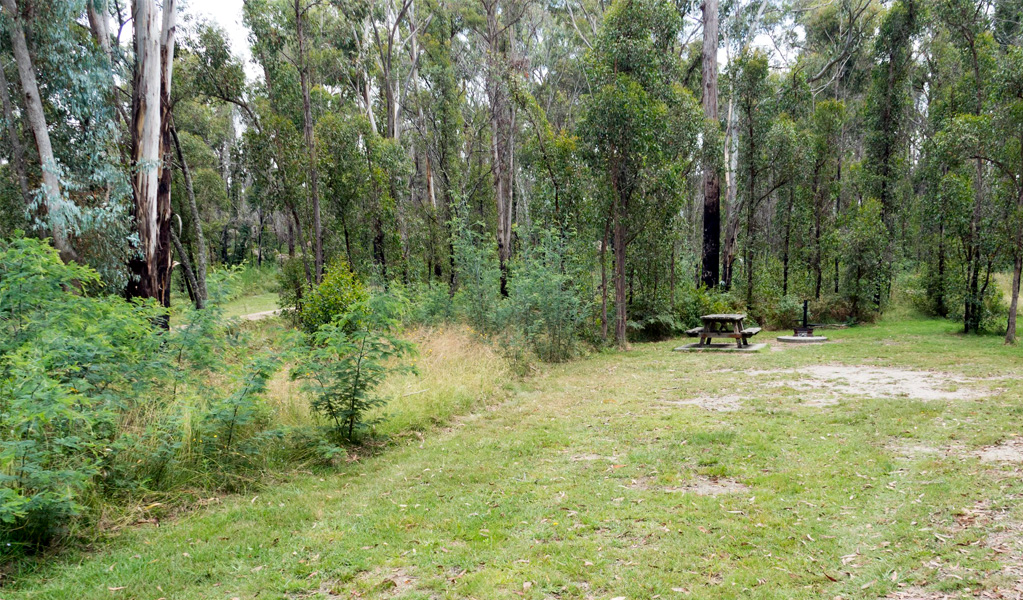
455,373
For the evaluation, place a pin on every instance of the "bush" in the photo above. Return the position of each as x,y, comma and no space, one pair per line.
786,313
544,301
478,274
292,286
348,359
97,400
336,295
69,367
431,304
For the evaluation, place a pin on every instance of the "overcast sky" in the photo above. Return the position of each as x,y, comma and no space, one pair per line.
228,13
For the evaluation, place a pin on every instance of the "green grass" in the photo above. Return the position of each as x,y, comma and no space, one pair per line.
574,486
251,304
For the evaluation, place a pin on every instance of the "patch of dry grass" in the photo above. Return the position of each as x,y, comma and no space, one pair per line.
455,373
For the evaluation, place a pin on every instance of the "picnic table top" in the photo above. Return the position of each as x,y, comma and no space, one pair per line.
723,317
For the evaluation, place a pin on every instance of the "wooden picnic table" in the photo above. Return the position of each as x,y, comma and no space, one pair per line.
724,326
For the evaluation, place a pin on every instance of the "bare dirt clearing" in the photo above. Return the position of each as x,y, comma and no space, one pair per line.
718,403
1010,450
700,486
875,382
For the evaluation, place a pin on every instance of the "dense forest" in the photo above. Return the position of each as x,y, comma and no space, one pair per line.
557,176
636,160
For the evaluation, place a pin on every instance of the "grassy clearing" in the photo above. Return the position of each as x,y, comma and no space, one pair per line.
596,480
247,305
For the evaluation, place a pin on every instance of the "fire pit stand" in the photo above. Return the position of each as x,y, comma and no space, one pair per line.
803,333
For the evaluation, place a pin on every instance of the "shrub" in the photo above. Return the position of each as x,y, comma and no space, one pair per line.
96,400
292,286
349,358
431,304
544,301
478,275
786,313
70,364
336,295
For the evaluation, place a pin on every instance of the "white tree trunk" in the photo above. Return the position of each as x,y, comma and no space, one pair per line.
151,145
53,199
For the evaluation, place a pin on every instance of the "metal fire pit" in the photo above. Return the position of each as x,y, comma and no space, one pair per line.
803,334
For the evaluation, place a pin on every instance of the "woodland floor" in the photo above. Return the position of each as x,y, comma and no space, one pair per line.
886,464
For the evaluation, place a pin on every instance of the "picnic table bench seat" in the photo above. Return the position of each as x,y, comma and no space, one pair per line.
723,326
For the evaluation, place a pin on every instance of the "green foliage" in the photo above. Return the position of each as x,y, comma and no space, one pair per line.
430,304
348,359
292,286
478,275
338,293
545,301
96,400
70,365
865,239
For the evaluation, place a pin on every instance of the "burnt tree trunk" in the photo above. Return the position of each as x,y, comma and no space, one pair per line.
711,179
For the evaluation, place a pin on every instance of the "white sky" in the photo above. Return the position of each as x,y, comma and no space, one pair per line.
228,13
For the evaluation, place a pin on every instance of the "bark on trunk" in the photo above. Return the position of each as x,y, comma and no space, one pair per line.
186,267
310,142
1010,330
603,280
201,295
711,178
621,314
17,152
53,202
151,144
500,141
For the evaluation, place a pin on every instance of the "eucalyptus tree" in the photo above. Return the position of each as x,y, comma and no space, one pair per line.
54,205
497,33
639,124
887,110
710,274
151,149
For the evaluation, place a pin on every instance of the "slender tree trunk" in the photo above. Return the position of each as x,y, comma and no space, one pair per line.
671,281
500,141
17,152
310,142
788,237
291,236
52,197
621,301
301,243
201,294
1010,331
261,216
603,279
186,268
941,309
818,254
711,178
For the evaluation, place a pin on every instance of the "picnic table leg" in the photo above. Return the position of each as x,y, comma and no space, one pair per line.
738,330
